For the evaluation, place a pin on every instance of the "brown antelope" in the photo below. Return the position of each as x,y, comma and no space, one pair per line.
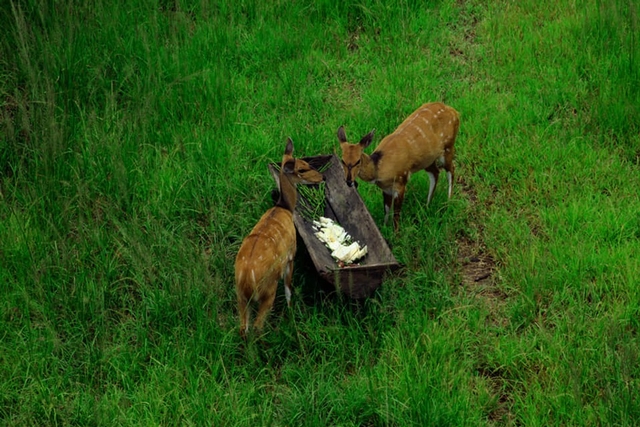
266,254
423,141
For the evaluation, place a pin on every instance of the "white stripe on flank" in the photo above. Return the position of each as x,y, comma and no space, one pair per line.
408,123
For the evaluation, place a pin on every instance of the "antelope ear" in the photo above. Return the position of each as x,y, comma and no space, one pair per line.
366,140
289,149
342,137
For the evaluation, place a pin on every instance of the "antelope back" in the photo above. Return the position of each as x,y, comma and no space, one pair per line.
266,254
424,135
277,221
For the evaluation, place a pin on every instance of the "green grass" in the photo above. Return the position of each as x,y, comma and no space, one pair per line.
133,160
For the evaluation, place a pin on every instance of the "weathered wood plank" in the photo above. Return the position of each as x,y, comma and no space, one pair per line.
344,205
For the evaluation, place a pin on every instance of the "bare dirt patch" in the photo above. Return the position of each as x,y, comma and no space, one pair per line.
499,413
477,265
478,279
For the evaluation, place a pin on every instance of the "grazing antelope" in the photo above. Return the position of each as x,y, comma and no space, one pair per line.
266,254
423,141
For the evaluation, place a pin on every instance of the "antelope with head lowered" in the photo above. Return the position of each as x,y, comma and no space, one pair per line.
266,254
423,141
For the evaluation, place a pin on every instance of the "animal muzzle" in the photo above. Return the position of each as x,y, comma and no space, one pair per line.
351,183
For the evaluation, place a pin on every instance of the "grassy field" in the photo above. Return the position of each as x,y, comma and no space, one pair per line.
134,143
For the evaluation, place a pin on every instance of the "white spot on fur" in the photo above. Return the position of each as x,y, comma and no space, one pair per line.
253,276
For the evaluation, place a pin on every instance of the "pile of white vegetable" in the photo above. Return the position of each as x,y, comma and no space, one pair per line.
338,241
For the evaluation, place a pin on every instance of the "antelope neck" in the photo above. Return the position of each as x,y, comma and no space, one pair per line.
367,170
288,196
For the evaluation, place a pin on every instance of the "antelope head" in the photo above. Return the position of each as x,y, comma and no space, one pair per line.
353,155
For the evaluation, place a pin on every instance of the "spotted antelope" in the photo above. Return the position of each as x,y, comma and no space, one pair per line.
266,254
424,140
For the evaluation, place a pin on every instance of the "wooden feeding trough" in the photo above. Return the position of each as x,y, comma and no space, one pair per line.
344,205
